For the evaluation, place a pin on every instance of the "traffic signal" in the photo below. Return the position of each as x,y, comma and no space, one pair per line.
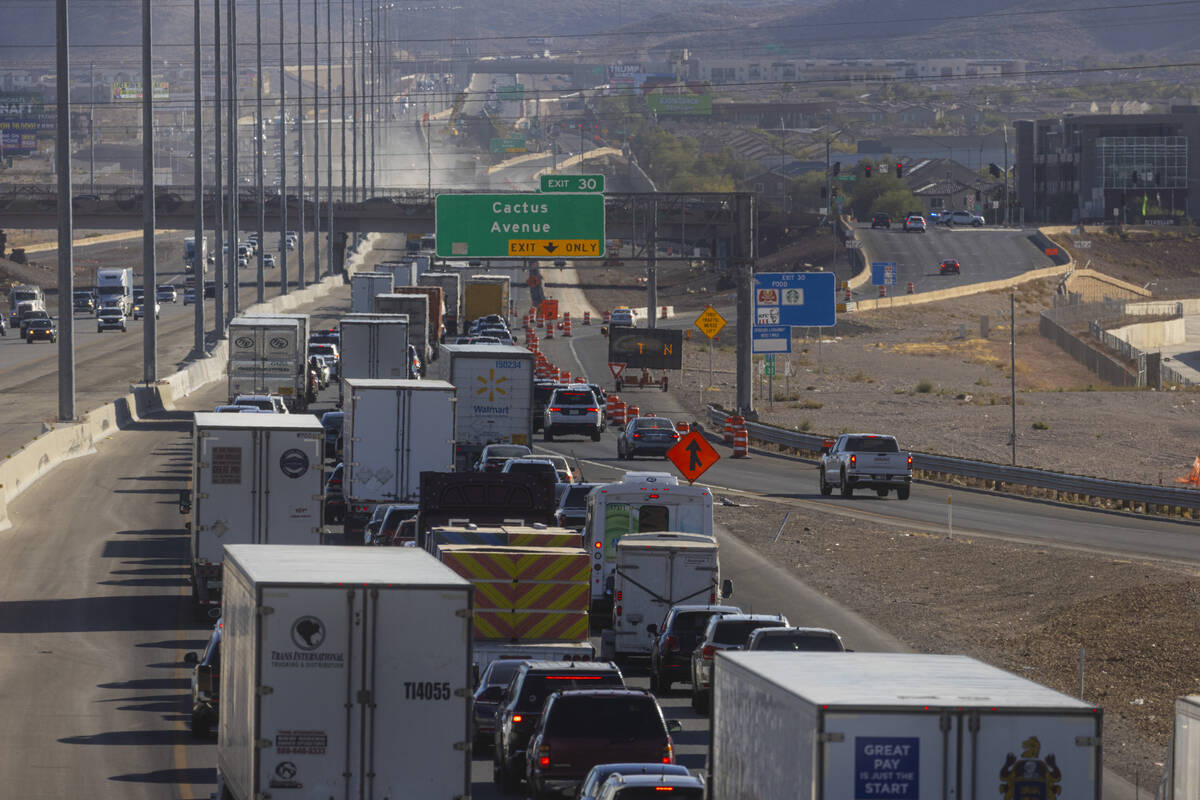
899,170
837,168
995,170
867,170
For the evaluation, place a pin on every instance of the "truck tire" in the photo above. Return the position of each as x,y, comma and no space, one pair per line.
826,489
699,702
846,489
547,435
664,685
509,783
595,436
902,493
201,725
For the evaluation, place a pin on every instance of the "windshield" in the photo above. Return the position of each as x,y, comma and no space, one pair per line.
507,451
692,622
577,497
737,631
658,792
611,718
655,422
536,688
500,672
872,444
807,642
574,398
527,466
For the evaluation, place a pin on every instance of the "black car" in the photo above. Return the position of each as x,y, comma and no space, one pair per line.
332,421
644,436
40,329
572,504
335,500
494,455
210,288
520,708
674,641
543,390
488,693
206,684
881,221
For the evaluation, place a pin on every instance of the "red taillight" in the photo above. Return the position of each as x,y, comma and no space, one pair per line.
712,597
619,595
517,718
552,408
620,610
708,652
652,496
853,459
673,644
637,436
544,756
593,409
668,754
598,545
910,462
664,788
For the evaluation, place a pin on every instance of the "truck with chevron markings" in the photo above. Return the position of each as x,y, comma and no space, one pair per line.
531,589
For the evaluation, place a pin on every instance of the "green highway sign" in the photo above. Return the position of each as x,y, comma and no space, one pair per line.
573,183
508,144
519,225
845,177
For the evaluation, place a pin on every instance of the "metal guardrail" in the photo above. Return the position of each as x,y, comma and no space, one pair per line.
1135,493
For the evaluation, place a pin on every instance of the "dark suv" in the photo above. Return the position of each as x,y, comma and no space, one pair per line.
580,729
818,640
521,707
674,641
727,632
881,221
206,684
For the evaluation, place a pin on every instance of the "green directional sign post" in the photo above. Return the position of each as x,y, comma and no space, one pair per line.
573,183
520,225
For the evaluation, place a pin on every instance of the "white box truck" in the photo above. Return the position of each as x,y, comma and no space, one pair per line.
256,478
653,572
114,285
495,404
363,288
344,673
641,502
416,306
451,283
373,348
393,431
403,272
1182,778
834,726
269,355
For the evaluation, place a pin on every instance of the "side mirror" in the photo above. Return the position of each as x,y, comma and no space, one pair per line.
674,726
727,588
185,501
190,658
204,678
651,628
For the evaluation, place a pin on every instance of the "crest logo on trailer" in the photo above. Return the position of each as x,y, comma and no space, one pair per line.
278,342
308,633
308,636
244,342
293,463
285,776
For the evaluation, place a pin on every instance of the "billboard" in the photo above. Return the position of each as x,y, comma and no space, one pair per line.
21,117
646,348
132,90
680,104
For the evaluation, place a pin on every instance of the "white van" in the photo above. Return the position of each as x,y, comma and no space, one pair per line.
642,502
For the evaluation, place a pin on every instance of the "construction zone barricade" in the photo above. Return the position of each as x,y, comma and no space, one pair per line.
587,318
741,438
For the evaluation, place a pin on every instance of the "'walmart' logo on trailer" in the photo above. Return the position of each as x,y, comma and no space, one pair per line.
491,386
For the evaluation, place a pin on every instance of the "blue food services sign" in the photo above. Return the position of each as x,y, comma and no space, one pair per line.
805,299
886,767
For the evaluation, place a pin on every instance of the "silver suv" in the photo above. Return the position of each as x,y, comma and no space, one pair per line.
573,409
961,217
724,632
110,319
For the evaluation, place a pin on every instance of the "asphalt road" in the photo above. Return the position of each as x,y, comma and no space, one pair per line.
985,254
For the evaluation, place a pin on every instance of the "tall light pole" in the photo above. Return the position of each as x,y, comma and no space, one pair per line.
316,150
283,154
260,178
374,17
218,193
149,318
66,222
200,253
300,145
342,86
354,101
329,130
231,266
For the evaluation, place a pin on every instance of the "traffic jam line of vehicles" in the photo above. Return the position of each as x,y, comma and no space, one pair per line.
506,567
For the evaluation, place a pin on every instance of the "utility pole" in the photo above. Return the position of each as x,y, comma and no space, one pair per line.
354,101
200,254
218,193
66,221
149,318
342,73
329,132
1007,205
652,268
261,282
92,128
372,14
300,144
829,185
283,153
1012,367
744,253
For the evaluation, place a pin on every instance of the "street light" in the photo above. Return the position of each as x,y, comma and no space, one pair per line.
300,145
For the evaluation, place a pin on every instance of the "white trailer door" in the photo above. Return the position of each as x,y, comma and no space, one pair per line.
391,349
898,756
643,591
1049,755
427,442
291,472
693,576
225,499
307,696
373,445
418,666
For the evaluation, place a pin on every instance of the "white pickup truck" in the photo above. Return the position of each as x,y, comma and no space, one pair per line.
865,461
